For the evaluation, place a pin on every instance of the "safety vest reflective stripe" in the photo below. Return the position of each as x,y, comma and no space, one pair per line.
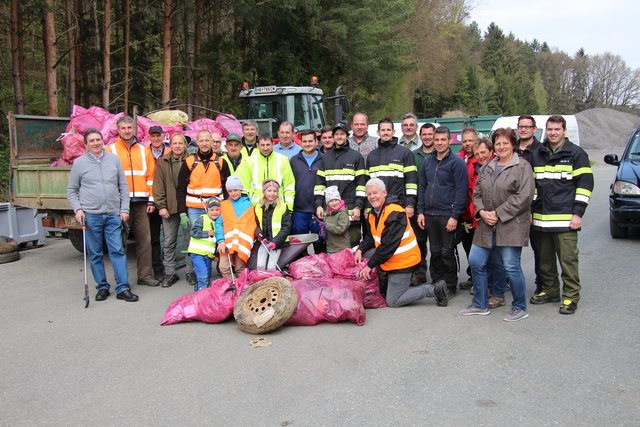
135,166
407,254
203,183
238,232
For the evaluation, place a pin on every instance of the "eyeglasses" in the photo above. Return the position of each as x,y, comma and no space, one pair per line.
525,127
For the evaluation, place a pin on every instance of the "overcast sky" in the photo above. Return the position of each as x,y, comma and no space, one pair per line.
597,26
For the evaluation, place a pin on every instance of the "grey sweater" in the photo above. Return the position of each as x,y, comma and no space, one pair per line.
98,186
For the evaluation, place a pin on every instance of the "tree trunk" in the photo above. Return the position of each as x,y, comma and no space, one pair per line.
197,48
106,54
49,36
16,56
166,55
81,72
71,40
127,33
186,57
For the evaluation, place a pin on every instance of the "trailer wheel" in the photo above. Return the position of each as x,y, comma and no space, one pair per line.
75,235
266,305
10,257
7,245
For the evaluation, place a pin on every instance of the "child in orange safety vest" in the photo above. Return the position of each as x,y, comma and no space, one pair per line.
235,229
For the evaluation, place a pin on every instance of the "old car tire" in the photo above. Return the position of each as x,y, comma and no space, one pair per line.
265,306
75,235
7,245
617,232
10,257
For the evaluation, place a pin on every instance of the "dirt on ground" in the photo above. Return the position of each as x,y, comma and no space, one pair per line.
604,129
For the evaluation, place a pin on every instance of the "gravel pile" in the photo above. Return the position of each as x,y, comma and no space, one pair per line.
604,129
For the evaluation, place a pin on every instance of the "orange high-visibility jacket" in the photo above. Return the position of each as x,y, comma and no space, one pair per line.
238,232
407,254
203,182
139,167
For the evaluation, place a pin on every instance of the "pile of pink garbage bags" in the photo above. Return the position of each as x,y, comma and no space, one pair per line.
83,119
327,286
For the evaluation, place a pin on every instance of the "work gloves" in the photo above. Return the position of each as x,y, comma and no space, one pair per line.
184,221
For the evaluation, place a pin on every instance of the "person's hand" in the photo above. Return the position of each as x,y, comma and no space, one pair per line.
489,217
358,256
80,216
421,221
124,216
184,221
151,209
271,246
320,212
575,223
468,226
452,224
355,216
222,248
365,273
164,213
260,236
410,211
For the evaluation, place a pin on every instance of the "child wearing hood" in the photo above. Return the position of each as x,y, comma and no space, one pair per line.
337,221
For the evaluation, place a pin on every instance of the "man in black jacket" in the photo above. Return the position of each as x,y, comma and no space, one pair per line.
343,167
527,144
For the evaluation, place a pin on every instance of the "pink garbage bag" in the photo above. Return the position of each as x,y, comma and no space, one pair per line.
208,305
109,130
227,123
73,147
372,296
328,300
212,305
311,266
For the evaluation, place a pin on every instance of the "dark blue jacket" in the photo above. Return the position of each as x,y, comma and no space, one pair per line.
443,186
305,180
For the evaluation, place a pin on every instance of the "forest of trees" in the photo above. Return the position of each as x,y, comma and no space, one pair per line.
393,56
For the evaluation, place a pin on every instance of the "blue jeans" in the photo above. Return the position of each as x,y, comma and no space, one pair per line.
109,228
202,268
496,276
194,213
509,256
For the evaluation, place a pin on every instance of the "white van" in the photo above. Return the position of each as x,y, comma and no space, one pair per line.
541,121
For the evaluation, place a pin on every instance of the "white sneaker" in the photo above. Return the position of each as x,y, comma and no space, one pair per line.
474,311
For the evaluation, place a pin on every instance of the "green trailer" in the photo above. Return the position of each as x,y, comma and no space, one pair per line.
34,145
482,124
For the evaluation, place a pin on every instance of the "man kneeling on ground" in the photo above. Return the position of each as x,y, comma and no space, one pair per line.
396,250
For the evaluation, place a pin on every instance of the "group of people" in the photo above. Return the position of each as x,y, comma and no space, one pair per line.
391,200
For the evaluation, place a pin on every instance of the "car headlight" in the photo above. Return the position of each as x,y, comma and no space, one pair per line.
625,188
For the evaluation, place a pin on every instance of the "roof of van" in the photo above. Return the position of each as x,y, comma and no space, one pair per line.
512,122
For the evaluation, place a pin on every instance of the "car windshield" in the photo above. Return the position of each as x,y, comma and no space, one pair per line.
634,147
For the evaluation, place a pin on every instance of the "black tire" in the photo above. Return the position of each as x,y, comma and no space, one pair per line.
10,257
617,232
265,306
75,235
7,245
